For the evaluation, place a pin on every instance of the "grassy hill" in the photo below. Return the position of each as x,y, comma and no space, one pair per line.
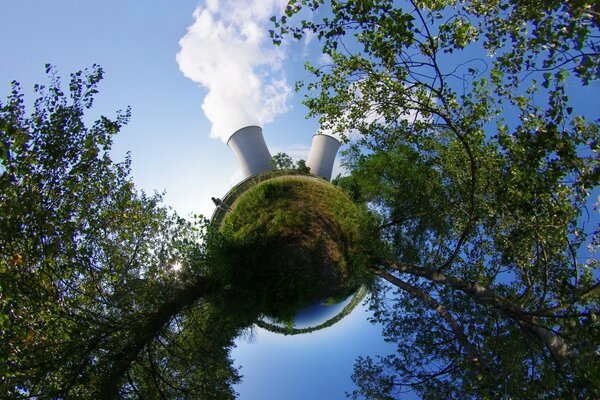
291,240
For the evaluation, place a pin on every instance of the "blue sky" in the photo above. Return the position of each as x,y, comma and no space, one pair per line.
136,44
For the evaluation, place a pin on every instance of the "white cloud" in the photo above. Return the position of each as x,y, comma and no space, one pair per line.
325,59
309,35
227,50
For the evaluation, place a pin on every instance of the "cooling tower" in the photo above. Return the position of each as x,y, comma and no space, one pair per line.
322,155
249,147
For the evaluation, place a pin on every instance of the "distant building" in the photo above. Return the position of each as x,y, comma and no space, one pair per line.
254,157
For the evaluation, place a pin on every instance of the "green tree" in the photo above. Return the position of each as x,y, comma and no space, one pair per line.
282,161
302,167
91,304
481,169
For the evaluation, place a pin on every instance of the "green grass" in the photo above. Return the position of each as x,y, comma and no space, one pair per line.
291,240
239,189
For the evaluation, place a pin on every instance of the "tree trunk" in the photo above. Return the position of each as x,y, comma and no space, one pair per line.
484,295
437,307
143,332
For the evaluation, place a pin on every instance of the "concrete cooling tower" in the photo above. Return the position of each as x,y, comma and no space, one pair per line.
322,155
249,147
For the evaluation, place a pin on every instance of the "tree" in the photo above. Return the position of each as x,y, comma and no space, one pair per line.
301,166
91,305
282,161
481,169
107,294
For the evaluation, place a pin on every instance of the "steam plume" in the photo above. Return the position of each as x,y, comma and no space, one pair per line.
227,50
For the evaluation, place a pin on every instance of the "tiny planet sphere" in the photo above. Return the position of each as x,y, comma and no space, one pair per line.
292,242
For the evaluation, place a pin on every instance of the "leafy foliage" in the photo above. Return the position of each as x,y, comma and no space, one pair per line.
282,161
481,169
302,167
88,290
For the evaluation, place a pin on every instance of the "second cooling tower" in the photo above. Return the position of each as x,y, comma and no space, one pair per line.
249,147
322,155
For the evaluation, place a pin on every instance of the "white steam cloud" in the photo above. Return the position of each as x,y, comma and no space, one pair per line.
227,50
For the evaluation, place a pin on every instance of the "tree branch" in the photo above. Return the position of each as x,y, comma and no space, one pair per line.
437,307
484,295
